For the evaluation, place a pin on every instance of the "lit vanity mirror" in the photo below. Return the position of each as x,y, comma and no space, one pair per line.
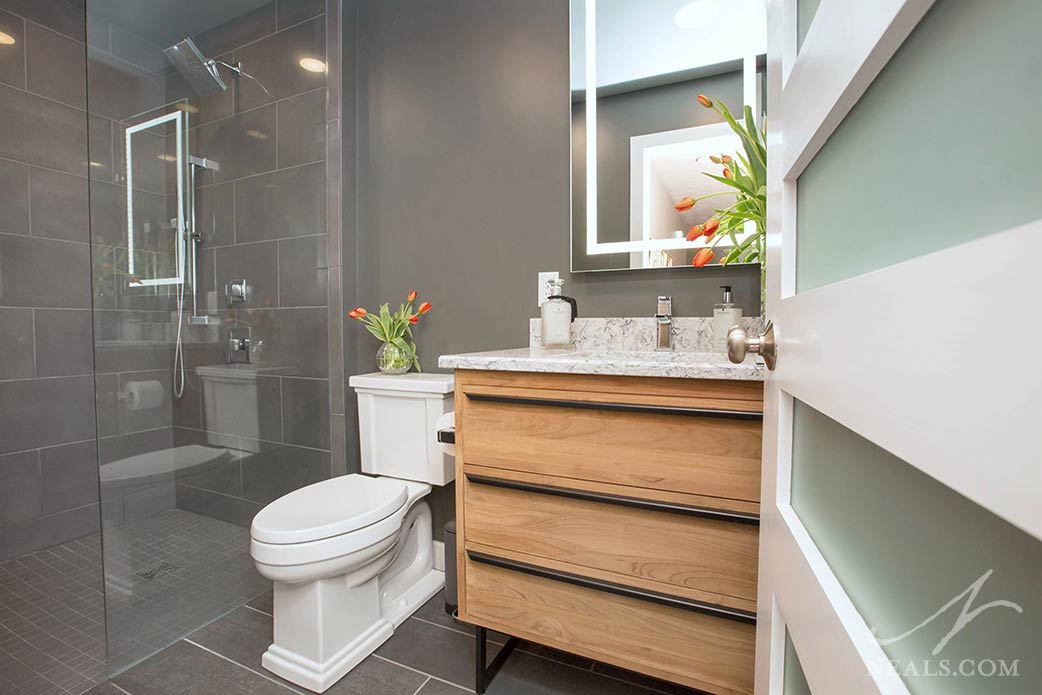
640,140
155,191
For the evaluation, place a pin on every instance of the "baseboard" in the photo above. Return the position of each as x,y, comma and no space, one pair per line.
439,556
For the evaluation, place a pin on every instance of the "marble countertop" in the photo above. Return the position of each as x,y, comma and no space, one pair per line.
677,364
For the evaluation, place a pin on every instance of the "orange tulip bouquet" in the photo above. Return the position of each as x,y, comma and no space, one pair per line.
398,353
746,178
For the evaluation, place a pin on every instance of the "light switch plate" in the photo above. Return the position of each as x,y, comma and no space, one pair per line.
544,285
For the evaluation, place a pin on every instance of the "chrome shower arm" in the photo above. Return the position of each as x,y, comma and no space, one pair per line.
212,64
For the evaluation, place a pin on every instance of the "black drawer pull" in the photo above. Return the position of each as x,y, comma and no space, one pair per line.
621,500
447,435
620,407
617,589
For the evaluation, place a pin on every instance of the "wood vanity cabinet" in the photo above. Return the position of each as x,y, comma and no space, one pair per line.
613,517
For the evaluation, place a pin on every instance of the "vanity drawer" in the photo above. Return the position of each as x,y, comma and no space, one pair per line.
602,437
703,553
645,633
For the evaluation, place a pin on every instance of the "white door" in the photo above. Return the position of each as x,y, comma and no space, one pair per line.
902,476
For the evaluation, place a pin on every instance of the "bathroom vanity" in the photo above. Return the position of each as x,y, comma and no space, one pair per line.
607,505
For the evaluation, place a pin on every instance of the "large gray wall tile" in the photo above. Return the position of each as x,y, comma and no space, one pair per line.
234,510
137,50
245,28
258,264
201,109
39,131
215,214
305,412
281,204
55,66
12,56
44,273
302,128
243,144
295,340
106,401
99,140
275,62
291,12
14,198
63,342
59,205
117,89
303,271
16,343
279,469
69,476
65,16
47,531
45,412
19,487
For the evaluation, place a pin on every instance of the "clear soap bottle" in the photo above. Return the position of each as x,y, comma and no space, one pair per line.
557,314
725,315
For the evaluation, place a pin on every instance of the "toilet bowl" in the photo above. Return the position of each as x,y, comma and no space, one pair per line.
352,557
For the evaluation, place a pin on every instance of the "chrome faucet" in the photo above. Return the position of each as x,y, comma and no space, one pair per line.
664,330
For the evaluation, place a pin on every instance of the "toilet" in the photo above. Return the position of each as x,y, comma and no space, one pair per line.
352,557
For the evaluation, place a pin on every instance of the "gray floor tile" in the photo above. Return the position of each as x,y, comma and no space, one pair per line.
446,654
653,684
524,674
434,687
184,669
264,602
244,634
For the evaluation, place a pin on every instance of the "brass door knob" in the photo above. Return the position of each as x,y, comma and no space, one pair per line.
739,344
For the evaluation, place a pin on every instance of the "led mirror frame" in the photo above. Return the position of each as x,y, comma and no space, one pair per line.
178,118
593,247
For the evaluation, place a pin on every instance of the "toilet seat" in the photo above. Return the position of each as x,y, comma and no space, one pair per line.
329,508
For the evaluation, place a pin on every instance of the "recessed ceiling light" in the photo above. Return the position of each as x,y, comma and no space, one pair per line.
698,14
6,39
312,64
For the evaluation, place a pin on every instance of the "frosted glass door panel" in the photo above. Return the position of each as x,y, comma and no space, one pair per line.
904,546
933,154
795,680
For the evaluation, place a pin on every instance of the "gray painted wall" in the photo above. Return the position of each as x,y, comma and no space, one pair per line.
463,188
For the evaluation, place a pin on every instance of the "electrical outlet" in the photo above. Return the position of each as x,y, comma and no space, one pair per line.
544,285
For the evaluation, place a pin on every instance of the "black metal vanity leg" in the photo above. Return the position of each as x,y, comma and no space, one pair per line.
484,674
481,639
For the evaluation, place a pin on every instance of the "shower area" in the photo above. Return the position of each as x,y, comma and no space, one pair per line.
168,314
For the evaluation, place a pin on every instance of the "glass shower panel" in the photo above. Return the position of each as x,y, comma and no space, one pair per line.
908,172
207,230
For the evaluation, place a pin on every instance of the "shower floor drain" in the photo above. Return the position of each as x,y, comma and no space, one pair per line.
157,571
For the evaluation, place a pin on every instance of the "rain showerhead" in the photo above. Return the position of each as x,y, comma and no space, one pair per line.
200,72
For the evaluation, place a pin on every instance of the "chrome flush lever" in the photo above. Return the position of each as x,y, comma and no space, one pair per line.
739,344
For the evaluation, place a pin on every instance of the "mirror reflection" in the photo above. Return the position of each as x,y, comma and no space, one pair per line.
640,140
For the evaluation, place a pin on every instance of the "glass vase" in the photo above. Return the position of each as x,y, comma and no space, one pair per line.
391,359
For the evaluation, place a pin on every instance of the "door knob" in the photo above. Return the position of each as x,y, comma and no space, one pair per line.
739,344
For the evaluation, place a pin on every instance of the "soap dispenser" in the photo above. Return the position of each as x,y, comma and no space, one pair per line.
725,315
557,313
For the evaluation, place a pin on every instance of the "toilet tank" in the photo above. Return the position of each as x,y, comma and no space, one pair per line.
397,416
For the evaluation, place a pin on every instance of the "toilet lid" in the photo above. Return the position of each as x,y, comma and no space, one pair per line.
328,508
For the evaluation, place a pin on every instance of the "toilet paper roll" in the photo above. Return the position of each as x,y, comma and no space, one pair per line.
445,422
142,395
